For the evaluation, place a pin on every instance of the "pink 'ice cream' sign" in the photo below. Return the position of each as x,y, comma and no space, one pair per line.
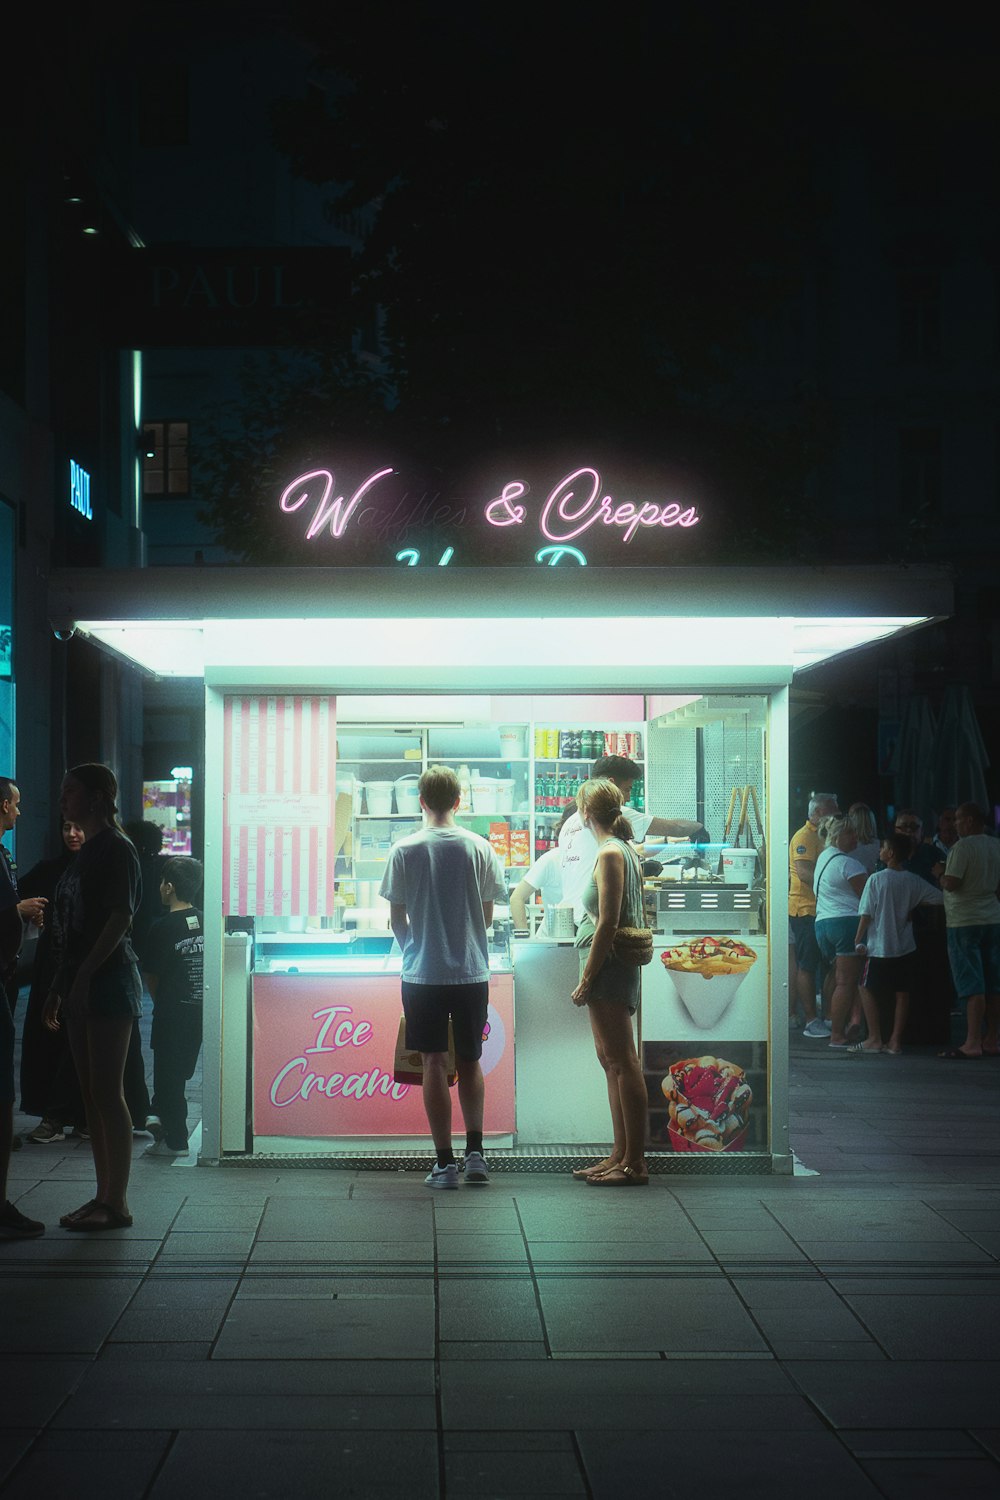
323,1051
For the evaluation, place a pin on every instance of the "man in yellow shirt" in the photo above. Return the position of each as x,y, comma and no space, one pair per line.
803,953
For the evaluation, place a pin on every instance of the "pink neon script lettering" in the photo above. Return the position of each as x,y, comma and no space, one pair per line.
578,517
337,512
503,511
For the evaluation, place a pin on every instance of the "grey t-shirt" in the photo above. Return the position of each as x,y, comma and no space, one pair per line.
443,876
975,861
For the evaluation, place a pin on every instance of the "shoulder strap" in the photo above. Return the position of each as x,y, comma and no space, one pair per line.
837,853
633,863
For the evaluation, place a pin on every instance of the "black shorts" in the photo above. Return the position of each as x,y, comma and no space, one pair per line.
890,976
802,937
427,1008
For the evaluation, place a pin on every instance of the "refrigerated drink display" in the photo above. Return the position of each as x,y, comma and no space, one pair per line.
540,735
551,744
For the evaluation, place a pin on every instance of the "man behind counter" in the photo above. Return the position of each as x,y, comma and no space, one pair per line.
578,846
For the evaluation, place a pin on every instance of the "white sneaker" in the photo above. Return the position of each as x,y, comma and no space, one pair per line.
443,1177
817,1029
476,1173
160,1148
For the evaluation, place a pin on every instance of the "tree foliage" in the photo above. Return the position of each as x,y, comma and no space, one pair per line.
589,242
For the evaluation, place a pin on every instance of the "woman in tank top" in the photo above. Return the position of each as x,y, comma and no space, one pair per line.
609,988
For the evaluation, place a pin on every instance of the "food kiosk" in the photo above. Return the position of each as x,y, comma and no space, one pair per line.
328,691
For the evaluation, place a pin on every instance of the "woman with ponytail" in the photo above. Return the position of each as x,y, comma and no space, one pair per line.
609,988
97,990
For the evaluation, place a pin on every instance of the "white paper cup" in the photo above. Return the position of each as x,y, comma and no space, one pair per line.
706,999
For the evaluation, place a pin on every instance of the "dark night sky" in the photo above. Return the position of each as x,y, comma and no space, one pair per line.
587,221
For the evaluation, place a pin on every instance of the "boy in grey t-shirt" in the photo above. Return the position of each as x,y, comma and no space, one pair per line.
441,884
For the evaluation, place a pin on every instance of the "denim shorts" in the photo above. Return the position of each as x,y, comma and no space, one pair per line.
114,991
835,937
974,955
802,937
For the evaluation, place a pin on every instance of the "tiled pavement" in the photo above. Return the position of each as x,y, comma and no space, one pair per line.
315,1332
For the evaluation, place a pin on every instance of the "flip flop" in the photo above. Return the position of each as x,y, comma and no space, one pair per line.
113,1220
77,1213
620,1177
955,1054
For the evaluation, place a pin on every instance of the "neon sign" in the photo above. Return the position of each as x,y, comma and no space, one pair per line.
79,491
575,506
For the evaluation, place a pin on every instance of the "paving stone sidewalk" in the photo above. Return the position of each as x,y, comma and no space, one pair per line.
316,1332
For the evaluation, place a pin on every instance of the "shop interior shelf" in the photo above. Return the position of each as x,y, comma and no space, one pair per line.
576,760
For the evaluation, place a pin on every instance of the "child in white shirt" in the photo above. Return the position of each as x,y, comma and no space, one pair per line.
885,939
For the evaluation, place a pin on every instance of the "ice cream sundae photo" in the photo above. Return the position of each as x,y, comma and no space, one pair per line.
709,1104
707,972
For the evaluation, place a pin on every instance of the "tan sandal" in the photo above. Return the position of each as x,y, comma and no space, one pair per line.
620,1177
78,1213
584,1174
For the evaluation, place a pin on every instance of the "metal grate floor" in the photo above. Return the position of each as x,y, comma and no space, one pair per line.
551,1159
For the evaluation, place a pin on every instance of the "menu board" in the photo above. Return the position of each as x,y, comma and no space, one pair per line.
279,783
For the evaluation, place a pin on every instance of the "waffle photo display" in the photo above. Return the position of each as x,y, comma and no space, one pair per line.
709,956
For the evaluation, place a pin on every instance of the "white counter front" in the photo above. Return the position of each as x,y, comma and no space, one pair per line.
562,1097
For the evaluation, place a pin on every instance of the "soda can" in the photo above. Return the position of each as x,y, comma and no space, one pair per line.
540,736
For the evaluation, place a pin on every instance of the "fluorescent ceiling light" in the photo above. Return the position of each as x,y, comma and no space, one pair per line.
184,648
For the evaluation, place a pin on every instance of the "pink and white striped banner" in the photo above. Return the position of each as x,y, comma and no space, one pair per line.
279,785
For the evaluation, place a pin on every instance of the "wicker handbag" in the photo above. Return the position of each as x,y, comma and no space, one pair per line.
634,945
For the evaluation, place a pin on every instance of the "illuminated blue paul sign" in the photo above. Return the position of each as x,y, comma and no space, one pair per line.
79,491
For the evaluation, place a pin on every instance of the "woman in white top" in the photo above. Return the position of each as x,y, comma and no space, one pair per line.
838,881
862,820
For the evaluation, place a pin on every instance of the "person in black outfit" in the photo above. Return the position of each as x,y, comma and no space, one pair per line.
148,841
49,1085
97,991
15,910
173,968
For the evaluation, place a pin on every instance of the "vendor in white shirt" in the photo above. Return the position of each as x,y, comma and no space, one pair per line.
578,846
545,878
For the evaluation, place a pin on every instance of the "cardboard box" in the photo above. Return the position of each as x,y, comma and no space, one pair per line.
500,842
520,847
